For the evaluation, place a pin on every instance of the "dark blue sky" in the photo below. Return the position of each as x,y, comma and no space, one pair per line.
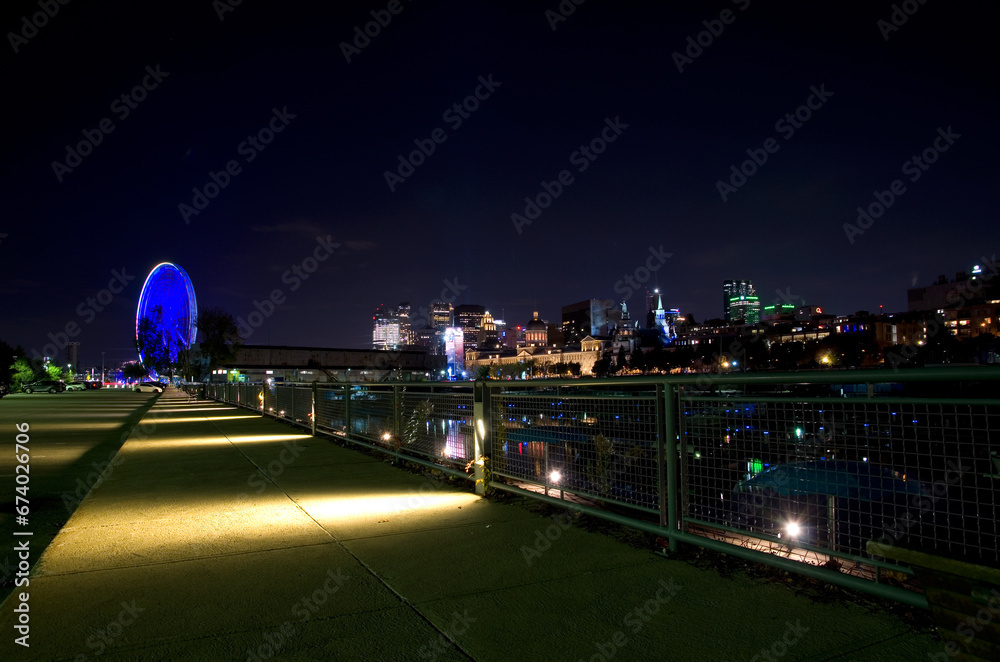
220,81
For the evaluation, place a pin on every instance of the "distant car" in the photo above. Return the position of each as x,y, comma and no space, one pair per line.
94,384
149,387
45,386
76,386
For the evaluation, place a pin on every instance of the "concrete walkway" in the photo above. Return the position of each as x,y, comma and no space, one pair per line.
219,535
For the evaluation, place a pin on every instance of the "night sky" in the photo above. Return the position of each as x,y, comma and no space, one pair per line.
214,83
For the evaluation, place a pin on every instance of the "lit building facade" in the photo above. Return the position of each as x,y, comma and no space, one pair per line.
469,317
536,332
732,291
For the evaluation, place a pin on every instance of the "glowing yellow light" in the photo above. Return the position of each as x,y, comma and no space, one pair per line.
268,437
394,504
184,410
196,419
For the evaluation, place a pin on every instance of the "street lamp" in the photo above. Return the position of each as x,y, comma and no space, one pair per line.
102,369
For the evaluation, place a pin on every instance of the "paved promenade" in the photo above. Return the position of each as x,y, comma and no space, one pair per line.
218,535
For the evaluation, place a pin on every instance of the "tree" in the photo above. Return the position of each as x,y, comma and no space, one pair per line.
482,372
134,370
152,343
602,367
638,361
7,356
220,337
23,371
54,371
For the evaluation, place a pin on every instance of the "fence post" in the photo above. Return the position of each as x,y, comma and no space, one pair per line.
669,463
315,391
397,410
347,410
481,427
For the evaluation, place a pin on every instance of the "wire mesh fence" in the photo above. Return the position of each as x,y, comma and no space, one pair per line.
797,476
586,440
373,412
331,408
437,422
810,472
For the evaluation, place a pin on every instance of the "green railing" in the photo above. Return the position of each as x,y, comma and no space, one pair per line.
798,470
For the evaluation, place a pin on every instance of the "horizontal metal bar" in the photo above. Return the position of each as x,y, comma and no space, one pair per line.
838,401
809,548
904,596
587,495
407,458
651,395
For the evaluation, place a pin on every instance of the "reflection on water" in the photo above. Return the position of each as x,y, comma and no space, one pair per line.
459,442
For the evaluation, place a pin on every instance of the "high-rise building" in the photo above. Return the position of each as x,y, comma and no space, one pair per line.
428,330
406,334
743,294
73,356
586,318
391,327
743,309
385,328
442,315
470,317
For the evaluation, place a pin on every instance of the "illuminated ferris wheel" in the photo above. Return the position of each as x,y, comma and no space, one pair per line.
168,287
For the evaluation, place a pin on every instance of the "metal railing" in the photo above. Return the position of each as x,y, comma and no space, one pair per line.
798,470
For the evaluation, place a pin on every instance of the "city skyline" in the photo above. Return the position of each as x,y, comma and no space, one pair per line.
490,154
